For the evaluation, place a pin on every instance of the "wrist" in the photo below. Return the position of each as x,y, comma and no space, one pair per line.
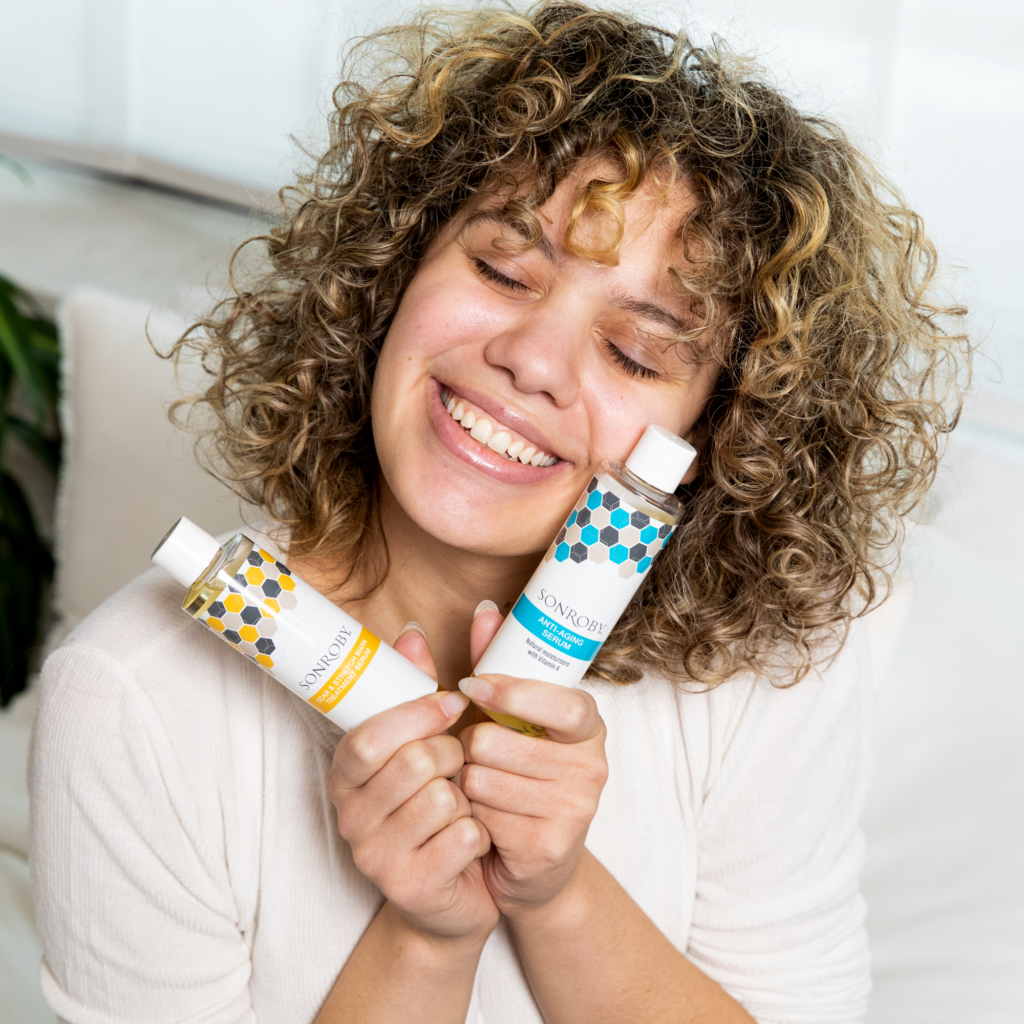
561,909
436,950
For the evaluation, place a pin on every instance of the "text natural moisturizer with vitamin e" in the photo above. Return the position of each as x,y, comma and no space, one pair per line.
593,568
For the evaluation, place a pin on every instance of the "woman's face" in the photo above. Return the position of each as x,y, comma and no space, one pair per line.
539,350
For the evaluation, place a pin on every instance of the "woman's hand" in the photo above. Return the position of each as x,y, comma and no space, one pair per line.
410,829
535,796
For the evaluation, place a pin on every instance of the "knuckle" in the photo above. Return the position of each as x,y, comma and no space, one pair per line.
577,713
481,741
450,755
335,786
346,822
418,760
441,794
361,748
366,860
469,779
596,772
469,833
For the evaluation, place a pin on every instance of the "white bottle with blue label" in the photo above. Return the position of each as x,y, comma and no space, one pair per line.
593,568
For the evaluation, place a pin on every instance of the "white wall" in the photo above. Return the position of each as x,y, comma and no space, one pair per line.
935,88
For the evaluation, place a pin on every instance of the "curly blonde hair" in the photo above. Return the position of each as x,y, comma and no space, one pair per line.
811,278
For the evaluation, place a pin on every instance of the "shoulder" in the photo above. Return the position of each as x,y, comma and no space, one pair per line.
137,641
138,681
837,689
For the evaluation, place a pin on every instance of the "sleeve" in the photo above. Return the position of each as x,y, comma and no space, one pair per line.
133,897
778,917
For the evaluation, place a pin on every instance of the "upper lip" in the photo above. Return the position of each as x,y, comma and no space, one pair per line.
505,415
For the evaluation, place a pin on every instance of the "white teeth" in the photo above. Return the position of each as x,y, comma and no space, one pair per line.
500,441
482,430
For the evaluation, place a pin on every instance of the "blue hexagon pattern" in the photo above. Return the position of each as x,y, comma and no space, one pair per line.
604,529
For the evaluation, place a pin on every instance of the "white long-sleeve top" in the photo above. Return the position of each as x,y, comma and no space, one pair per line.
187,864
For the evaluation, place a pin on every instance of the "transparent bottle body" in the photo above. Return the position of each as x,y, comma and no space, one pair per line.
585,581
306,642
216,578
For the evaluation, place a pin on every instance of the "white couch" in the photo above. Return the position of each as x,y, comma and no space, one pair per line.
945,824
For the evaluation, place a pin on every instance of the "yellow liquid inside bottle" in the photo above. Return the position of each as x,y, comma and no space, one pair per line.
633,492
516,723
210,585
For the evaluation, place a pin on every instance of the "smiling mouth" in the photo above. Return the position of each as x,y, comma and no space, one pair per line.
496,436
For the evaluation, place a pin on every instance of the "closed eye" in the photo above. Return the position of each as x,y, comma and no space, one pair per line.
487,271
631,366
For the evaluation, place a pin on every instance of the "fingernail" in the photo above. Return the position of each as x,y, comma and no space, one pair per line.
453,703
485,606
413,627
478,689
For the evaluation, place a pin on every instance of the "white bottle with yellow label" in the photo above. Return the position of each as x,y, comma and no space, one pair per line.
254,602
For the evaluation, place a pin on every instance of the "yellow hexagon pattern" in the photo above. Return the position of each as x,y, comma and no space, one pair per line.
245,615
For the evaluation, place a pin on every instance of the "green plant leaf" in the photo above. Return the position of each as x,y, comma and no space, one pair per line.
24,563
29,354
46,329
46,449
15,345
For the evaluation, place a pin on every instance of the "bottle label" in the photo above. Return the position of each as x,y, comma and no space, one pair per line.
584,582
347,674
560,637
246,614
310,644
605,530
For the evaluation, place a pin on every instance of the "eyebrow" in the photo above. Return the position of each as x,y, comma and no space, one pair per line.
653,312
639,307
547,250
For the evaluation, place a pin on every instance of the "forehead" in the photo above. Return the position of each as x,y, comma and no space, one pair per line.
590,215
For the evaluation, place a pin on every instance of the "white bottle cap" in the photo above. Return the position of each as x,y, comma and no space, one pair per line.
661,458
186,551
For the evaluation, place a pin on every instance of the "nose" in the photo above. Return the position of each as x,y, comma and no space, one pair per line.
543,351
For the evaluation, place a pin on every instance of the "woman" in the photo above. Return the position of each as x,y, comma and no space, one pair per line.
574,225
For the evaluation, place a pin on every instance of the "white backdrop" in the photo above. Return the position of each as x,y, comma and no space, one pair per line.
935,88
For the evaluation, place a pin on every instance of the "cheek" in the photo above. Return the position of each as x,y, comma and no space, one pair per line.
620,414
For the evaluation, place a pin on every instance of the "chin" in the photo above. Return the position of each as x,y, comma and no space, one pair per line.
475,529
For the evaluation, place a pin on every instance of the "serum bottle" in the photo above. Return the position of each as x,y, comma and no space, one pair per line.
259,606
592,569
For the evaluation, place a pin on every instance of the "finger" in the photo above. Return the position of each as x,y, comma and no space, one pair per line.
412,645
568,715
454,848
505,791
424,814
486,622
495,746
411,768
510,832
361,753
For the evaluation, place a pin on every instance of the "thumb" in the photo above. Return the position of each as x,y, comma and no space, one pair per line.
412,645
486,620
